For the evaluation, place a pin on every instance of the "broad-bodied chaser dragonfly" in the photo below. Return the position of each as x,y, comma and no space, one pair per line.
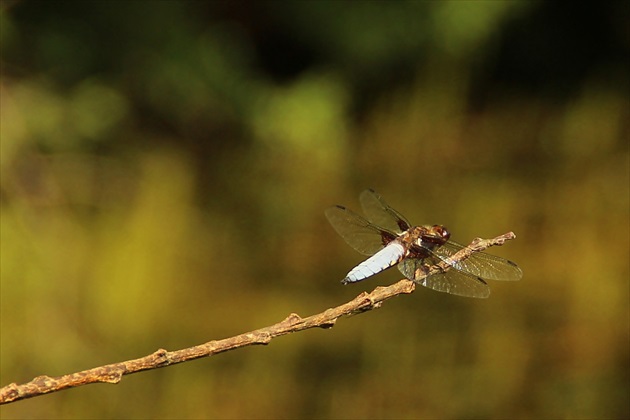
390,239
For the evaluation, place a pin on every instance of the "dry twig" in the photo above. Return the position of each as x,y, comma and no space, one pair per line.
113,373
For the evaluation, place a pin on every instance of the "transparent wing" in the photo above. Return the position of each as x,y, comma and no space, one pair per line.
480,264
452,281
357,231
381,214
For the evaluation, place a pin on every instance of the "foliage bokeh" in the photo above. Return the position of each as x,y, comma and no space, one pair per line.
165,167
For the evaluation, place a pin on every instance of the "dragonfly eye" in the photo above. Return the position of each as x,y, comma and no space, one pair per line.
442,232
434,235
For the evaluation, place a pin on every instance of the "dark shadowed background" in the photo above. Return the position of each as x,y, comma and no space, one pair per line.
165,167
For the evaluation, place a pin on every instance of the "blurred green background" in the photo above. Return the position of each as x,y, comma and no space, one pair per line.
165,167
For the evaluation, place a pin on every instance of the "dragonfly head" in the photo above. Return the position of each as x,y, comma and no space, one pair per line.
436,235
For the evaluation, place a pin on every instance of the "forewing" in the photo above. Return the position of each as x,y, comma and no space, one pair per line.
357,231
451,281
480,264
380,213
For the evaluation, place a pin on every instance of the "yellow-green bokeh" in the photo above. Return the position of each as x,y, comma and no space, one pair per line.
116,240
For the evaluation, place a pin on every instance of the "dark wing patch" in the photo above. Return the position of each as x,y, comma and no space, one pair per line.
357,231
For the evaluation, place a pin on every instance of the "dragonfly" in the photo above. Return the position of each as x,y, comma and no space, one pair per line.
389,239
